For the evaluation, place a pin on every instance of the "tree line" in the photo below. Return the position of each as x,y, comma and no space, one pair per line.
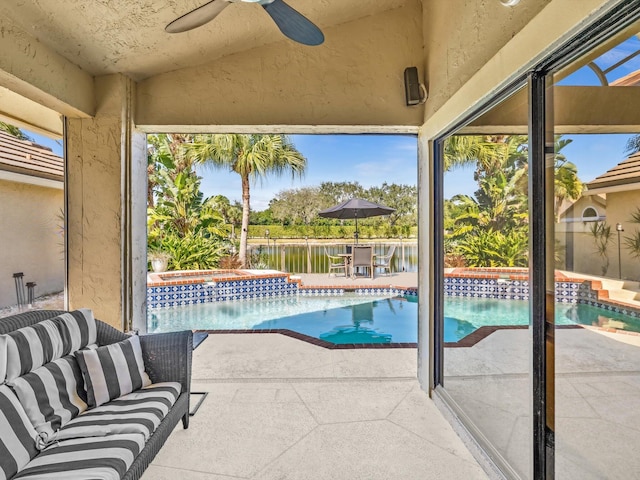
300,206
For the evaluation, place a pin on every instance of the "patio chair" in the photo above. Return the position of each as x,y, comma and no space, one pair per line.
336,262
384,261
363,258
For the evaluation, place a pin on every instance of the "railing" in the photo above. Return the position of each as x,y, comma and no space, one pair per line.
311,258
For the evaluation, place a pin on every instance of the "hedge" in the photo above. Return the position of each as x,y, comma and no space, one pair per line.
330,231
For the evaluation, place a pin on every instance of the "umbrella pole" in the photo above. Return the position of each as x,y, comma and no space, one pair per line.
356,234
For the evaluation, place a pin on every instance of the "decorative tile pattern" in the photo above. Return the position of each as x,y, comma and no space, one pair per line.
321,292
477,287
224,290
169,295
573,291
504,288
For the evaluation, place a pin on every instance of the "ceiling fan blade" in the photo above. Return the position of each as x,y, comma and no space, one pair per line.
197,17
293,24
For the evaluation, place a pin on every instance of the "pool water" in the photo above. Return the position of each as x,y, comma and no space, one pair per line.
465,315
338,320
357,319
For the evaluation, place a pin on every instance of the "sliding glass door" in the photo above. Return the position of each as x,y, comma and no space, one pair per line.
537,297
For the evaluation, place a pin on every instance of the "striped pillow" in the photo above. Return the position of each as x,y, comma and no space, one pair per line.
51,396
113,370
31,347
18,439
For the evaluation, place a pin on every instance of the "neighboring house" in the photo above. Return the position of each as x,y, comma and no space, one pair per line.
612,198
31,205
575,221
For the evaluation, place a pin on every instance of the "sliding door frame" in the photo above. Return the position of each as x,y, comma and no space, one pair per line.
541,267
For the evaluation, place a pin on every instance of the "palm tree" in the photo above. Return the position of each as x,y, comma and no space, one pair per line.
251,157
463,150
15,131
567,185
165,151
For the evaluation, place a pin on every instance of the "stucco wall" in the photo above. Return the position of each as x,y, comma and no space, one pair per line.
355,78
30,68
95,153
472,54
586,259
460,44
620,207
30,238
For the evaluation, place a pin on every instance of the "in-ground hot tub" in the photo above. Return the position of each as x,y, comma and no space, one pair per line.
189,287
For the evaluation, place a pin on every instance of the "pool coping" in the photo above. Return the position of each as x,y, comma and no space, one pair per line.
313,340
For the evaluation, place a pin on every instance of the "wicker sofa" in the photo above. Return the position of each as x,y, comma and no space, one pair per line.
167,358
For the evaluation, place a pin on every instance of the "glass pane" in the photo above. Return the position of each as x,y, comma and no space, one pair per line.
487,337
597,225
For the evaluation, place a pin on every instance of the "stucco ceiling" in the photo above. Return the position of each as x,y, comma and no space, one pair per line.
127,36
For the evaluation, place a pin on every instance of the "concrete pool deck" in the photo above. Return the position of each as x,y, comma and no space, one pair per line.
396,279
279,408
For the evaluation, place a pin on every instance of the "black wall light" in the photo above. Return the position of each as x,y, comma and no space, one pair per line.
415,92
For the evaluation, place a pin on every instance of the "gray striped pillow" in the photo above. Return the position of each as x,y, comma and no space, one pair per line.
51,396
31,347
18,439
113,370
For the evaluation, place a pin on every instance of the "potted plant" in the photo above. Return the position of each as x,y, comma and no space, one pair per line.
159,261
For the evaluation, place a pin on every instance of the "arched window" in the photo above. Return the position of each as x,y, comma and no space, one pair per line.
590,214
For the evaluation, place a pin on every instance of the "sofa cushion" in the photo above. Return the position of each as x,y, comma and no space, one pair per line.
52,395
138,412
31,347
18,439
81,459
113,370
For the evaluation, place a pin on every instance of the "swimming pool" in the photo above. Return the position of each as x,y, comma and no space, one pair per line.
357,319
348,319
465,315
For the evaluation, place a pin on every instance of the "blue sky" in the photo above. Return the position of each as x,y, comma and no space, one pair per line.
367,159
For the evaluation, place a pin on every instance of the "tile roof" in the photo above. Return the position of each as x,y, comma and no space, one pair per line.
626,172
630,80
28,158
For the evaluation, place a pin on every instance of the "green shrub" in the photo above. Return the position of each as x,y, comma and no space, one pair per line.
195,252
330,231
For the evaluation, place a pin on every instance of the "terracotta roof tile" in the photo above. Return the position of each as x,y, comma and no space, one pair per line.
626,172
28,158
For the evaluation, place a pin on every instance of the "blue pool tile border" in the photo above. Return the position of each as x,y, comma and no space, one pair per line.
571,291
167,296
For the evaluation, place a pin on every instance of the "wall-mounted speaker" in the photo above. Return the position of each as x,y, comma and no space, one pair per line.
412,88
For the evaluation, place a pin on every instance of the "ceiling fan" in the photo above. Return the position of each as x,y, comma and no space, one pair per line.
290,22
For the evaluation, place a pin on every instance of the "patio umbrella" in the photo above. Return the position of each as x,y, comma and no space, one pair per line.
356,208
